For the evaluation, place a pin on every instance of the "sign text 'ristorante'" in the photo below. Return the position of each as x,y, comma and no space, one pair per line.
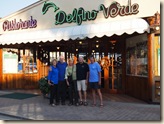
79,15
21,24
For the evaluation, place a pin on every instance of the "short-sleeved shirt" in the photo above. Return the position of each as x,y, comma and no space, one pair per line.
81,71
53,75
61,68
94,69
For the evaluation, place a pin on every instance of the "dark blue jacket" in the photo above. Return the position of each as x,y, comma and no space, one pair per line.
61,67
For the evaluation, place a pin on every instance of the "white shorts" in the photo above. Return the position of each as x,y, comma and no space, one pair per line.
81,85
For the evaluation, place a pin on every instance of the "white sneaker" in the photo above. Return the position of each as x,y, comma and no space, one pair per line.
53,105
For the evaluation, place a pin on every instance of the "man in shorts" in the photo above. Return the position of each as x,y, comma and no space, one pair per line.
82,70
95,80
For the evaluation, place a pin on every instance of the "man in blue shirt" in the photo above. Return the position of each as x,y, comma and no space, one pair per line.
95,80
62,86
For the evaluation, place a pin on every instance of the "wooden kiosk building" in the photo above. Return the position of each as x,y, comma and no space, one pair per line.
124,37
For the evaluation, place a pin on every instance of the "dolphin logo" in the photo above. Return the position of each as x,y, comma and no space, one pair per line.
46,6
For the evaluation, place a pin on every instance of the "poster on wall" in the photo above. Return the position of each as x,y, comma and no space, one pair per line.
10,62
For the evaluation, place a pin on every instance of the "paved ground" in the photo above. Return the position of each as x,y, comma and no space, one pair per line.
8,117
116,107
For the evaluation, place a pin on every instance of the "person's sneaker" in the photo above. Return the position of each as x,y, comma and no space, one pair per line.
85,103
77,104
52,104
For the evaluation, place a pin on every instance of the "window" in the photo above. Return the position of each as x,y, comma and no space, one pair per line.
30,61
136,56
14,60
10,61
56,55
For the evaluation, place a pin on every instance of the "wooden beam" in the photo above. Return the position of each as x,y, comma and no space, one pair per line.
1,67
150,66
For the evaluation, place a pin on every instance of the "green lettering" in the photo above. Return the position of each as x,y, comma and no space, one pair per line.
74,13
105,10
79,16
69,18
85,16
93,14
60,17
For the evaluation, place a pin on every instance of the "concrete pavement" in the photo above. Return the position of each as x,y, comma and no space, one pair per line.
9,117
116,107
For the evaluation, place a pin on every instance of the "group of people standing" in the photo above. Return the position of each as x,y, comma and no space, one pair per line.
75,77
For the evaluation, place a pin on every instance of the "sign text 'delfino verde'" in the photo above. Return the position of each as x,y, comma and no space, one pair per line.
79,15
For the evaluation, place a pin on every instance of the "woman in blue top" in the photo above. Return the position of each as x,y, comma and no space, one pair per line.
95,80
53,82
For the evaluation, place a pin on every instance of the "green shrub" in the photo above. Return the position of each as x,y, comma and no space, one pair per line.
43,85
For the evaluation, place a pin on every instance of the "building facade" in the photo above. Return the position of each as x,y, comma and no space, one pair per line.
124,37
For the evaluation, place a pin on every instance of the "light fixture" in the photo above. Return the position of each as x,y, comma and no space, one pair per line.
93,51
80,42
76,50
157,28
58,48
97,41
97,46
154,22
113,42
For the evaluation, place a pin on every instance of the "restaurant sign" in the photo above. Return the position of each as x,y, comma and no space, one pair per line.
21,24
79,15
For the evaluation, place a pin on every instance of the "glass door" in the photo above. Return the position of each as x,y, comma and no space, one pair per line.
115,72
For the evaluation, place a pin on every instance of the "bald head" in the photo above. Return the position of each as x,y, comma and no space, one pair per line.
61,59
81,59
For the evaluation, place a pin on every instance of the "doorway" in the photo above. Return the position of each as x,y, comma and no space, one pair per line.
115,73
111,75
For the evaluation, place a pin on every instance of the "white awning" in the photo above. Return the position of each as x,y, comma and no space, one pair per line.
74,32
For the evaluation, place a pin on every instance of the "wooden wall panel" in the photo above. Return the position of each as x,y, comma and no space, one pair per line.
20,81
23,81
137,87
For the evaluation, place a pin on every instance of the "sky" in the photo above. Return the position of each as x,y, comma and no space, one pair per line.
8,7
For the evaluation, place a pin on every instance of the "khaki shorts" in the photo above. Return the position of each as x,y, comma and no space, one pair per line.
81,85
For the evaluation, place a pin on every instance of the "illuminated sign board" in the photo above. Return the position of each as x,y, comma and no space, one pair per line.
79,15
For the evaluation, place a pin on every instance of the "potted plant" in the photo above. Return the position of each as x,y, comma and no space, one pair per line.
44,87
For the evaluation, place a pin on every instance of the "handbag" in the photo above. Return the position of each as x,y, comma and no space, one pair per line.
70,77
